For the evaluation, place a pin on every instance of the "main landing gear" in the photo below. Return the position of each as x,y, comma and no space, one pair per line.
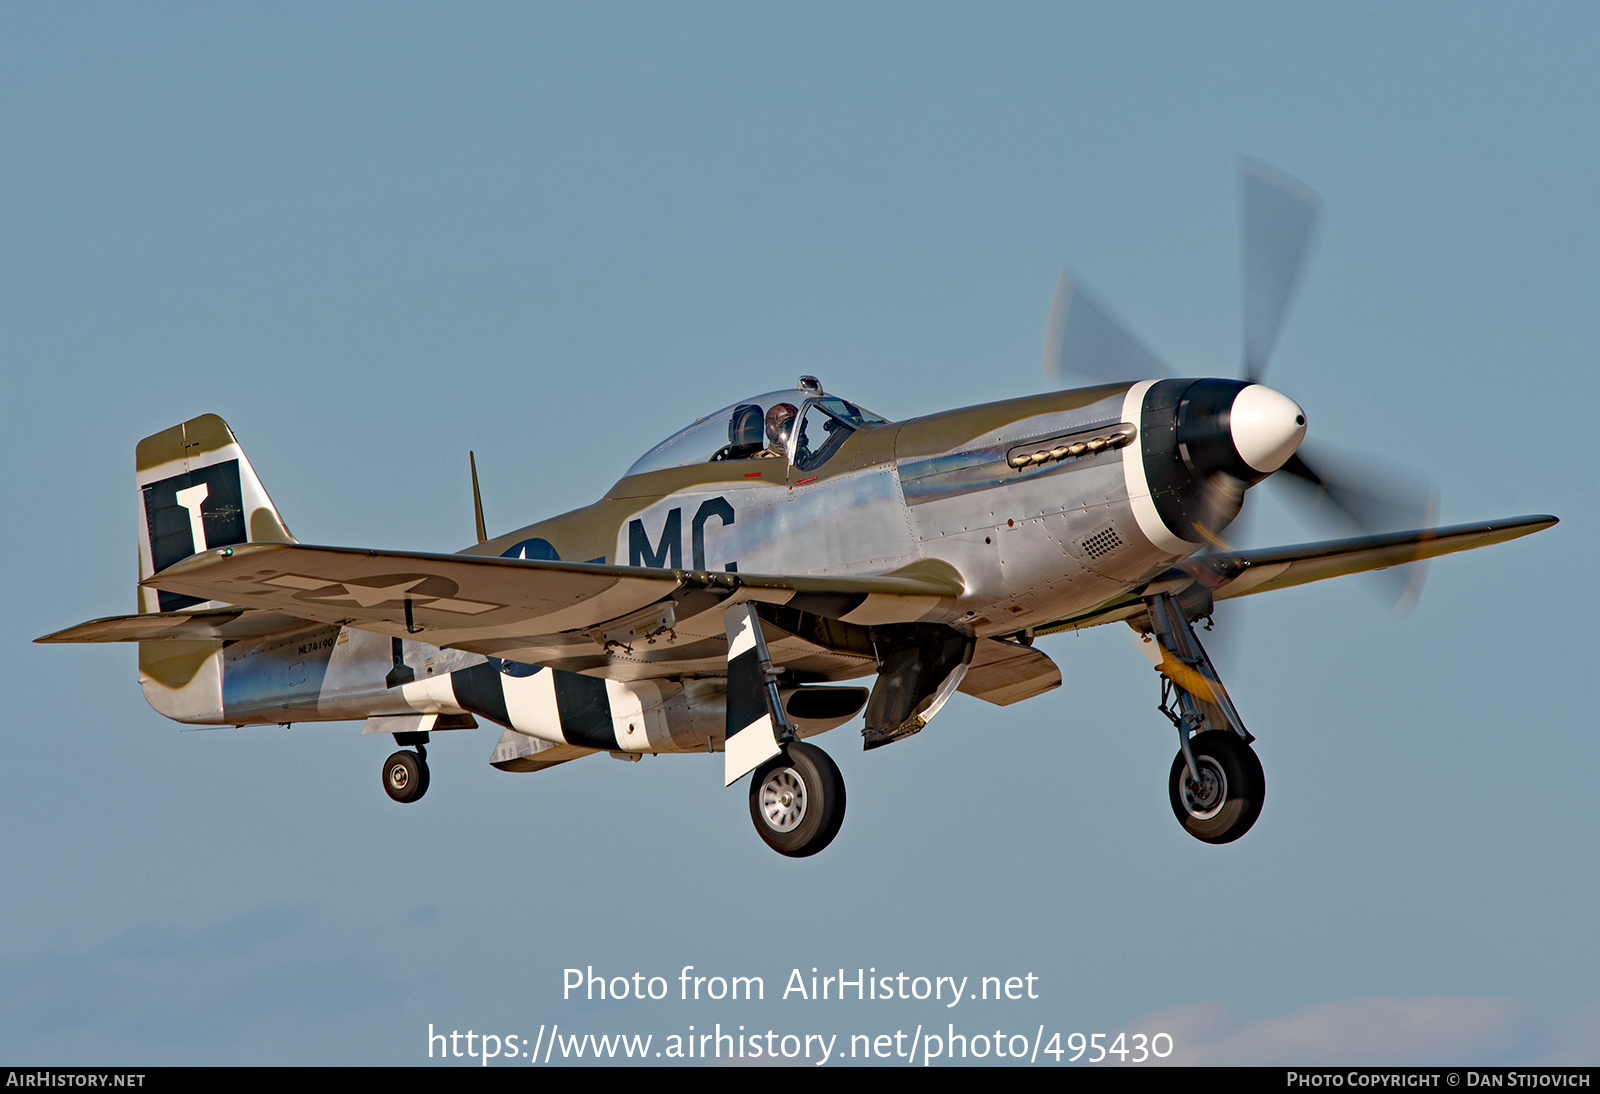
1216,784
797,800
1224,801
405,774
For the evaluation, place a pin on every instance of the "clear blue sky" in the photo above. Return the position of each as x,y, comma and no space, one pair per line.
373,236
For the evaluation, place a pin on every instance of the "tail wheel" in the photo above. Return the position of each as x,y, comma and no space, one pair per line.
1225,799
405,776
797,801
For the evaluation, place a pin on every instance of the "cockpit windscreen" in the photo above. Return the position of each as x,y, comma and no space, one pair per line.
757,428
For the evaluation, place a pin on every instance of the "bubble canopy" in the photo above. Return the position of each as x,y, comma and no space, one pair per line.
760,427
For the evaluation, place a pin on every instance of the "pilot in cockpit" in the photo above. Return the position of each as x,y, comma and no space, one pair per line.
780,420
748,429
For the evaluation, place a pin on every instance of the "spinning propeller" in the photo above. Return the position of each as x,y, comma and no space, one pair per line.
1085,339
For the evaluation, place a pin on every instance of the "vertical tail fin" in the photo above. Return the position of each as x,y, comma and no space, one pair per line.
197,492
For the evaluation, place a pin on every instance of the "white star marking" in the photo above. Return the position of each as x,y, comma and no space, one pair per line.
370,596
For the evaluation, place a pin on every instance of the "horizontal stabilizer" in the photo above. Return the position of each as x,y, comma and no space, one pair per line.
227,624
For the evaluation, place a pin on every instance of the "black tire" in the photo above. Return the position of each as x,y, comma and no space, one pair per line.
1233,787
805,821
405,776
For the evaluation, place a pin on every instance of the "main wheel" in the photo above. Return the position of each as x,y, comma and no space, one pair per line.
405,776
1225,801
797,800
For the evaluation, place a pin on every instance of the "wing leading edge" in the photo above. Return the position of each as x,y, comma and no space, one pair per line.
1242,573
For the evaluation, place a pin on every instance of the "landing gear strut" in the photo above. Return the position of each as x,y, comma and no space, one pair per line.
405,774
797,800
1217,784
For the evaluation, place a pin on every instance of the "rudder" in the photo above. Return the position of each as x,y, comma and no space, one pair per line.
197,491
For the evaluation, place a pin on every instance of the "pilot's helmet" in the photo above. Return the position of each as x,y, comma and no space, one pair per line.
744,428
780,420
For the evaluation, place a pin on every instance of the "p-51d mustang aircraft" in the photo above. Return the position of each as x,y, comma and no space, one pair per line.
717,595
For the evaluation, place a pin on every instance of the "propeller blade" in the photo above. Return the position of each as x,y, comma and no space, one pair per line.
1280,216
1223,640
1221,502
1350,496
1083,338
